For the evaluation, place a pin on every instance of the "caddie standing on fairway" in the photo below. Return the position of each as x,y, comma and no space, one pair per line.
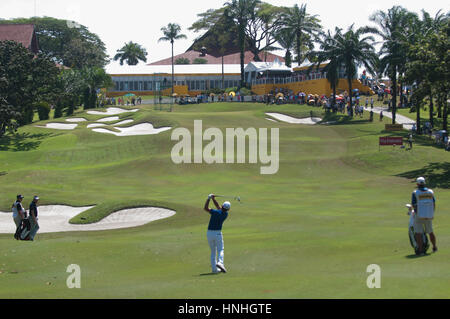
19,214
34,217
424,204
214,234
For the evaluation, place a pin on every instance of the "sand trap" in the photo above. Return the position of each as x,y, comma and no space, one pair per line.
293,120
96,125
76,120
59,126
140,129
272,120
124,122
53,219
112,111
109,119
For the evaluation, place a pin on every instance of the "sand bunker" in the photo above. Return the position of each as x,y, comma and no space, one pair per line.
59,126
76,120
109,119
293,120
272,120
112,111
54,219
140,129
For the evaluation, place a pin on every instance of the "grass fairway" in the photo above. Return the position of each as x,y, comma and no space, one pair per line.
310,231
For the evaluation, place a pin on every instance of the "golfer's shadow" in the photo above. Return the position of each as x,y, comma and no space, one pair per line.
209,274
414,256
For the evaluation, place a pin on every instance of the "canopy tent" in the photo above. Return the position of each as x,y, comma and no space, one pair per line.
269,69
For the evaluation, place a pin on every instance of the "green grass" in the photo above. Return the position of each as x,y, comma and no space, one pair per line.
310,231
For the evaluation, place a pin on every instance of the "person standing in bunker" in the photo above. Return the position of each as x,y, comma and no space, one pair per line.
214,234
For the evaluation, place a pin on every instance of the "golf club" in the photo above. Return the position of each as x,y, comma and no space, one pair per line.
236,198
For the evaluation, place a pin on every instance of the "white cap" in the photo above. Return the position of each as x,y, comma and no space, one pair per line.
421,181
226,205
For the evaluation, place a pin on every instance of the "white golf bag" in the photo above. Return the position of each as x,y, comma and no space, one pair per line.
412,236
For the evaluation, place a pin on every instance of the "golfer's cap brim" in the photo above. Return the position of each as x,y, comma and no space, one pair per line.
408,205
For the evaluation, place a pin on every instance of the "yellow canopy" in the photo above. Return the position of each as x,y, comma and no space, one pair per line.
232,94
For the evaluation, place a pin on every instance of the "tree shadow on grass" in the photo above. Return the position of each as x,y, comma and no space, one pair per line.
436,174
341,119
21,142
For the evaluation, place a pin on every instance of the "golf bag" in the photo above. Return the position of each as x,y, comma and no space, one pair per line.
23,232
412,239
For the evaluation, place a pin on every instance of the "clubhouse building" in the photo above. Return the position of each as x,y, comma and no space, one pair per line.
193,79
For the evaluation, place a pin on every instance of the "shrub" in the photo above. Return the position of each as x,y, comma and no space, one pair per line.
182,61
200,61
245,91
43,111
58,110
228,90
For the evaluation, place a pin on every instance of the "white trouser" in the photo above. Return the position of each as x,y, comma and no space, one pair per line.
215,240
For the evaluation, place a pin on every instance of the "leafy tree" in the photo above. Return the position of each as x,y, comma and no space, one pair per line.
221,33
264,22
69,44
26,79
241,12
95,79
171,33
132,53
429,66
43,109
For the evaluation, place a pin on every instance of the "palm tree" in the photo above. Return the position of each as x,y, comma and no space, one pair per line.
286,40
353,51
300,24
172,33
328,53
240,11
131,53
393,29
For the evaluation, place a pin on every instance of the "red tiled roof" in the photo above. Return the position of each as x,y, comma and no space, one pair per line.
21,33
228,59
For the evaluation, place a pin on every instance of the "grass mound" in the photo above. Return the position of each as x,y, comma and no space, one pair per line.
97,213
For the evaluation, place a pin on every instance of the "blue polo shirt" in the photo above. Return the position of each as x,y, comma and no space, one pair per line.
217,219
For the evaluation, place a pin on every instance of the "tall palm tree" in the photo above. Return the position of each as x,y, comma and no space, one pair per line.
172,33
300,23
131,53
241,11
286,40
353,51
393,27
328,52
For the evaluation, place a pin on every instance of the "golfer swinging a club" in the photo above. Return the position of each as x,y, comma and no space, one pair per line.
214,234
